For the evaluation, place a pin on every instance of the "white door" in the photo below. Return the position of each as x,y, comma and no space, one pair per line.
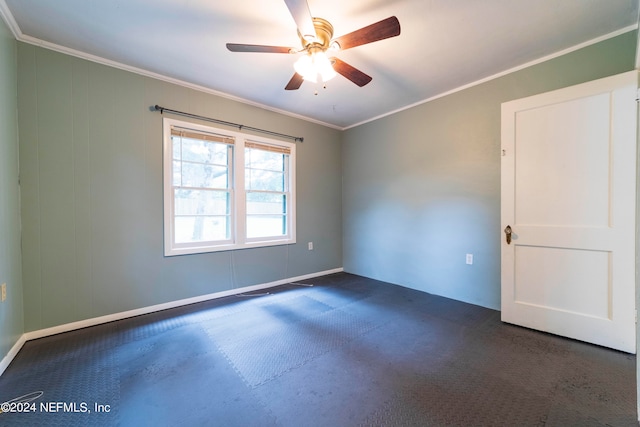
569,198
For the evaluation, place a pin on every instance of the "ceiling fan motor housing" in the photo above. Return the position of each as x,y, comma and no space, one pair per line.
324,33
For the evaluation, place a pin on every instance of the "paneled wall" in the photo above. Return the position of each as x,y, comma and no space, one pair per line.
11,321
91,168
422,187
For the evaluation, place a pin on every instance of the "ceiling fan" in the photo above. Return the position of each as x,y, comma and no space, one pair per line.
316,35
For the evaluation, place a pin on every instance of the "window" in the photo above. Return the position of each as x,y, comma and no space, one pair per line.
225,190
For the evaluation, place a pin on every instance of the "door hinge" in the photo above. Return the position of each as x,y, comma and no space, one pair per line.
637,95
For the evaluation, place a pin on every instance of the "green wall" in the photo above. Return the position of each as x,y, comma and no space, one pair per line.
414,191
422,187
11,316
91,170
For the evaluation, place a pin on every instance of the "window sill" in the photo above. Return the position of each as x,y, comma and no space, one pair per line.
228,247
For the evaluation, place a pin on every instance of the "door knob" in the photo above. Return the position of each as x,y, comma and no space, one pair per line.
507,232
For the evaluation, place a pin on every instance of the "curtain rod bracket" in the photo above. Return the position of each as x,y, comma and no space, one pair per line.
222,122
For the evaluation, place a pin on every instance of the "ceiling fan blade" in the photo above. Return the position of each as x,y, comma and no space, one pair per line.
295,82
299,10
381,30
237,47
351,73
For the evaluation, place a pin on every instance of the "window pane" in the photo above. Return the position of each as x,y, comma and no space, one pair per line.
265,173
202,202
195,150
259,179
261,159
266,203
201,228
207,176
265,170
266,225
177,147
177,174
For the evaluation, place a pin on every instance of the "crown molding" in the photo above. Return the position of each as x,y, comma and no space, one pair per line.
513,70
7,16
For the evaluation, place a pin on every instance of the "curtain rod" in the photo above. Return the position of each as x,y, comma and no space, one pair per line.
222,122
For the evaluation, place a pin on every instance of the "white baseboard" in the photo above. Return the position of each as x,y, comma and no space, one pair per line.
41,333
12,353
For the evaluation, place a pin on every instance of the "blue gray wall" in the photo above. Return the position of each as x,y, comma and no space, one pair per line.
422,187
11,314
91,168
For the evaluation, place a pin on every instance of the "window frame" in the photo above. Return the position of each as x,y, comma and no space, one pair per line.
237,191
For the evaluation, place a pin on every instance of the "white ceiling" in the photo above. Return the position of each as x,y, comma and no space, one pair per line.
443,45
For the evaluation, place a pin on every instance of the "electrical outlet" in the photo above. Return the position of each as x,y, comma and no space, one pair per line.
3,291
469,259
310,245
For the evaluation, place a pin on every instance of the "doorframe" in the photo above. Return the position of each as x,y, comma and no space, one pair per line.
638,233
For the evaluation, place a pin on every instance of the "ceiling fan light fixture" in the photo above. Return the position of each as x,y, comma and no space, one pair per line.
304,67
314,64
323,66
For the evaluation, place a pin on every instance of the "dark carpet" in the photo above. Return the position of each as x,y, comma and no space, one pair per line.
348,351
